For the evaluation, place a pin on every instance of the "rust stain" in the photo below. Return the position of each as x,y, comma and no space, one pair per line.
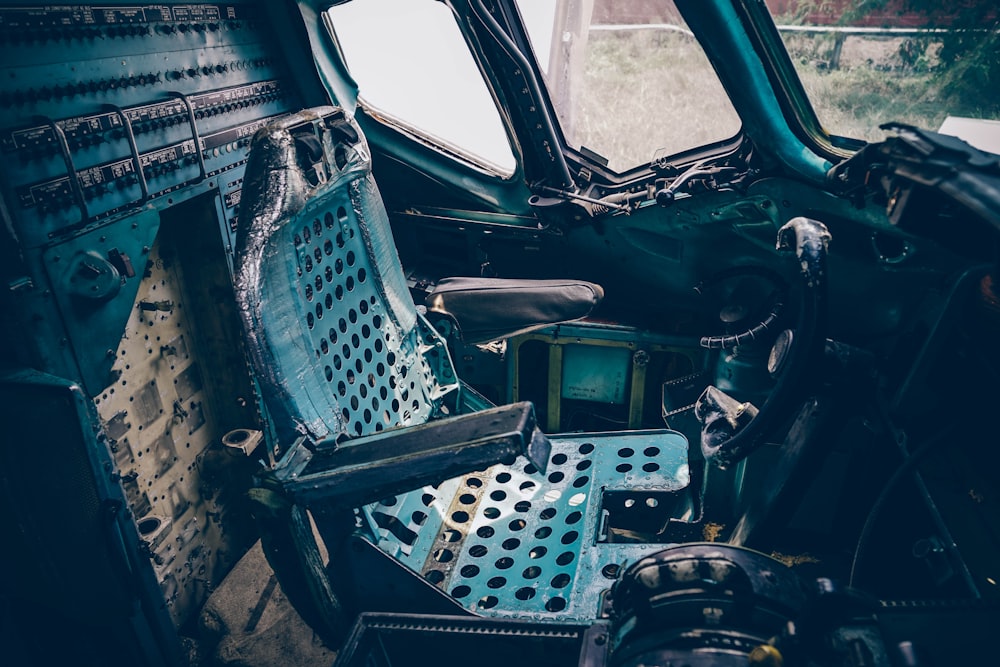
792,561
711,531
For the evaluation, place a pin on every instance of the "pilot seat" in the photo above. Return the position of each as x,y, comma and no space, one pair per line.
392,486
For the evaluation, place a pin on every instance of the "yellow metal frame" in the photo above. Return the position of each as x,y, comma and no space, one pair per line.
556,345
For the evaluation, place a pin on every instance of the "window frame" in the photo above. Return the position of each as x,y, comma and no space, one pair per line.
582,158
581,163
795,103
466,159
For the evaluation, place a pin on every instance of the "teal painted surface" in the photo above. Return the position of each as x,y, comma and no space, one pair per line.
94,298
722,35
598,374
327,308
330,67
480,189
511,542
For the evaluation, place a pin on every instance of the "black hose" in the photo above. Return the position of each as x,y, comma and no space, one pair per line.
747,336
758,330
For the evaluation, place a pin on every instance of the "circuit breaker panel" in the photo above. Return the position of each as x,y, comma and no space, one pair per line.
157,100
124,134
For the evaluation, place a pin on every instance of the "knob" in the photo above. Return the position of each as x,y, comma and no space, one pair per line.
664,197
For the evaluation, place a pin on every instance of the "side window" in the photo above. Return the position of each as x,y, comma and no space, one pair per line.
921,62
415,71
628,80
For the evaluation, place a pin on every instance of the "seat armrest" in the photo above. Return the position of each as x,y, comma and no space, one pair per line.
488,309
370,468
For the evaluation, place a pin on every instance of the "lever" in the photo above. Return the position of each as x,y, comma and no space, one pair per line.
667,195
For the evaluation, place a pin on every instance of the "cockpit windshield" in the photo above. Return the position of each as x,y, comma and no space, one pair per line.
922,63
629,82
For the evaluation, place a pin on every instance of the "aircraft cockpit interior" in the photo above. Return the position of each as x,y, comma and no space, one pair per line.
393,333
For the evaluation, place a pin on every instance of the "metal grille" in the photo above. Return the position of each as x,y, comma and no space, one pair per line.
505,542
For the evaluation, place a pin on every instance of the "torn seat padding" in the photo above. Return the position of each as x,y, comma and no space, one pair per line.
490,308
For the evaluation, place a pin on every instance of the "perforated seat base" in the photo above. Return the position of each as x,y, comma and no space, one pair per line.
506,542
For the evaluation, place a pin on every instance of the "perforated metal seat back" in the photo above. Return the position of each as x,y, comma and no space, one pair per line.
335,338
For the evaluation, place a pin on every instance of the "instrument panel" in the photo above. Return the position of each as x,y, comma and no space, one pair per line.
109,109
